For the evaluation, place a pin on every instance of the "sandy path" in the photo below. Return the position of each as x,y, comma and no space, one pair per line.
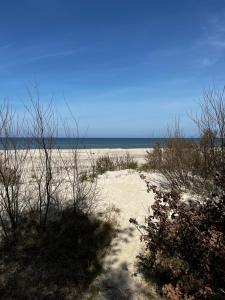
126,191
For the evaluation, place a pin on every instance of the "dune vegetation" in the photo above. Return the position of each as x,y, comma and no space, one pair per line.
185,242
55,240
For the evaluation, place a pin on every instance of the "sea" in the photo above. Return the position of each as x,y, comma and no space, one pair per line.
85,143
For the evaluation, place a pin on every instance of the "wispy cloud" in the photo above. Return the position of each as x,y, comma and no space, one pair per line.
215,32
26,58
211,46
55,54
217,41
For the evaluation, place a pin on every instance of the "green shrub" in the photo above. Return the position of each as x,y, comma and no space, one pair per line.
104,163
132,165
126,162
112,163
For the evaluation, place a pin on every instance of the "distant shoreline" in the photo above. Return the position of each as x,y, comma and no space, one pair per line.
89,143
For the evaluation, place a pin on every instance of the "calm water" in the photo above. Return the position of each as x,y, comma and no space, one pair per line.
92,143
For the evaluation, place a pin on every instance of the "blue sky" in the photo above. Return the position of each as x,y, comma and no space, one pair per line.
126,68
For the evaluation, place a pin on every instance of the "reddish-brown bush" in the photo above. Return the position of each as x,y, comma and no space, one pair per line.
185,244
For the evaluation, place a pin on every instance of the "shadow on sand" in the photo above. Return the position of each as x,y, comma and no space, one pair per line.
73,259
116,280
60,263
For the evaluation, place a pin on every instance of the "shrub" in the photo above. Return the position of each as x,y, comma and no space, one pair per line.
112,163
185,240
190,164
125,162
185,244
49,237
87,176
12,168
179,160
104,163
132,165
154,158
144,168
210,153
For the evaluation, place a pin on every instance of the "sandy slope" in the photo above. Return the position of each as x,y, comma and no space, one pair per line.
126,191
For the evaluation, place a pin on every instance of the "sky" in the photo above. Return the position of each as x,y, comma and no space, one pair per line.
126,68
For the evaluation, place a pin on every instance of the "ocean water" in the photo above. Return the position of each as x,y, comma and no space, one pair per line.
85,143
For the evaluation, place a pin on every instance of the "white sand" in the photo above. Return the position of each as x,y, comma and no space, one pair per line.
137,154
126,191
87,155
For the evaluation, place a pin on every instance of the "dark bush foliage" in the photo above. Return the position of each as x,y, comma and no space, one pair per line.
185,244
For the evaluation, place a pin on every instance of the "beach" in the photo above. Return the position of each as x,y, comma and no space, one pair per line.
85,157
121,195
